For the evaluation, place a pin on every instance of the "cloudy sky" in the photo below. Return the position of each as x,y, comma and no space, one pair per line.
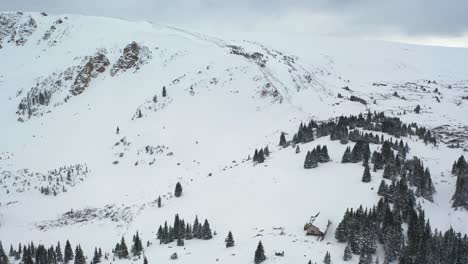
434,22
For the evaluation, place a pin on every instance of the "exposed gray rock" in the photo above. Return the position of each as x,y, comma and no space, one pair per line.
133,57
16,28
96,64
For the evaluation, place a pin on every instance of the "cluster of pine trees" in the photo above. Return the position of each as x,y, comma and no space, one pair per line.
181,231
460,169
343,129
260,155
318,154
121,249
354,98
363,229
31,254
394,166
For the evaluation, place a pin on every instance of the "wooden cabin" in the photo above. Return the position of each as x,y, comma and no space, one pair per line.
312,230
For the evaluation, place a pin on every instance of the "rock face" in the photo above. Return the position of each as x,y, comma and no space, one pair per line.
96,64
133,57
57,88
16,28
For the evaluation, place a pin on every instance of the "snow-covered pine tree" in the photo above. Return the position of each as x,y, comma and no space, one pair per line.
460,197
366,177
346,156
68,252
327,258
58,252
137,246
266,151
96,256
259,254
180,242
79,256
314,158
188,232
178,190
417,109
229,240
196,225
3,257
307,161
206,231
348,255
123,250
323,156
282,141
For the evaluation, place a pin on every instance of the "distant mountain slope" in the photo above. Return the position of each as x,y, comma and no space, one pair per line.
90,141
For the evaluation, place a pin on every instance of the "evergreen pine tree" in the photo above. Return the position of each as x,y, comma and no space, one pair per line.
323,155
346,156
145,260
180,242
178,190
137,246
308,161
261,156
58,252
123,250
314,158
196,228
206,231
347,253
417,109
3,257
282,141
366,177
79,256
229,240
259,254
298,150
97,256
266,151
188,232
68,252
327,258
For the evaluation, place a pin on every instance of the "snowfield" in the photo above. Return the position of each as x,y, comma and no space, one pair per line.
226,96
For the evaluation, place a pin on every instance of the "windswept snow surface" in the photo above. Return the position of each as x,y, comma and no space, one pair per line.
226,96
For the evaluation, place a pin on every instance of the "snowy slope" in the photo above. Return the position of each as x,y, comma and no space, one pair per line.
226,96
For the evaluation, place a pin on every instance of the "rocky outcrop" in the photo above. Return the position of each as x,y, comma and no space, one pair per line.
57,88
55,33
16,28
94,66
133,57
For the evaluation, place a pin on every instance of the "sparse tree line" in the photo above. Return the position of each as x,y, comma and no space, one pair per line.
32,254
260,155
181,231
51,183
344,129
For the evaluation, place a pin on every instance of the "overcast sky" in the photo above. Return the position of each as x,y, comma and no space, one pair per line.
439,22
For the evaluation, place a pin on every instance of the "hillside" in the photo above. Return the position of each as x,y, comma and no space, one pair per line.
89,142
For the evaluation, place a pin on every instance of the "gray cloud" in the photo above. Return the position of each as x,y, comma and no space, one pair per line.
424,18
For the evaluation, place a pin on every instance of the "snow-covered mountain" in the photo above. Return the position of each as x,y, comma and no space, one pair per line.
89,142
